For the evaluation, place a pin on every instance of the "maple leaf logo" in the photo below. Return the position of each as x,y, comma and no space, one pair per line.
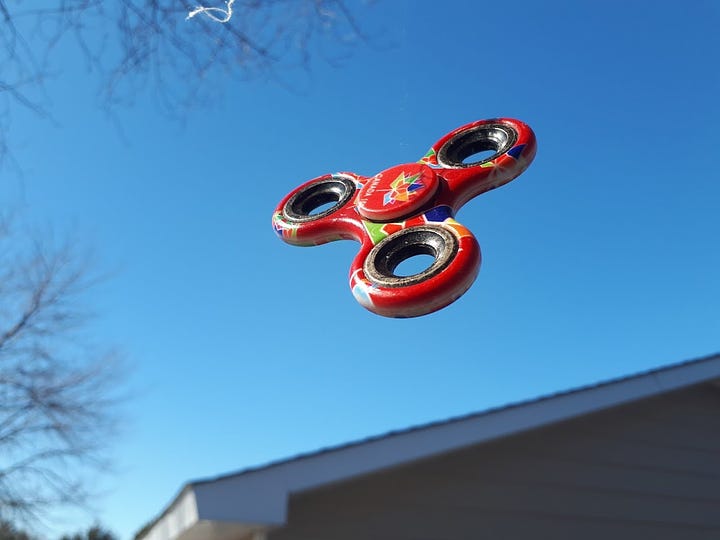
403,187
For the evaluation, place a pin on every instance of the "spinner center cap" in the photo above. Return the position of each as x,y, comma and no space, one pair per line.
397,191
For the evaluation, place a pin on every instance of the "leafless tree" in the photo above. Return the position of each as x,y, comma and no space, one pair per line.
58,393
96,532
8,531
137,45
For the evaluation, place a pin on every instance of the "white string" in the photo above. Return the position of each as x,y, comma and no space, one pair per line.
210,12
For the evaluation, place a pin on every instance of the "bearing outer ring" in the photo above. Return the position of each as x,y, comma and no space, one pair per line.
335,188
497,137
384,257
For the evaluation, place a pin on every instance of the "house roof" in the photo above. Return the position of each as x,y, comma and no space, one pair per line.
247,503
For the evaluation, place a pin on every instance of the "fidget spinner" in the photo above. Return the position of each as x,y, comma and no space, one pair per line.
409,210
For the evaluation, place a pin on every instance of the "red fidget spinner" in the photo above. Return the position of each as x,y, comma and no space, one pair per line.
408,210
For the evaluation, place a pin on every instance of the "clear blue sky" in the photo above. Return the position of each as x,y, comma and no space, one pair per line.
599,261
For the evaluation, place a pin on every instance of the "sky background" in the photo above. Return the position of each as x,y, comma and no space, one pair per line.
601,260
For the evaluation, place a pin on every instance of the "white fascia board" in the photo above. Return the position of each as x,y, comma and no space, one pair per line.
180,517
182,521
258,498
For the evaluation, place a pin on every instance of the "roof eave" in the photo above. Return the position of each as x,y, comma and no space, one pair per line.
255,500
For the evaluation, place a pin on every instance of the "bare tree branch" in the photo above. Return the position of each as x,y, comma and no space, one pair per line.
139,45
56,398
57,391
